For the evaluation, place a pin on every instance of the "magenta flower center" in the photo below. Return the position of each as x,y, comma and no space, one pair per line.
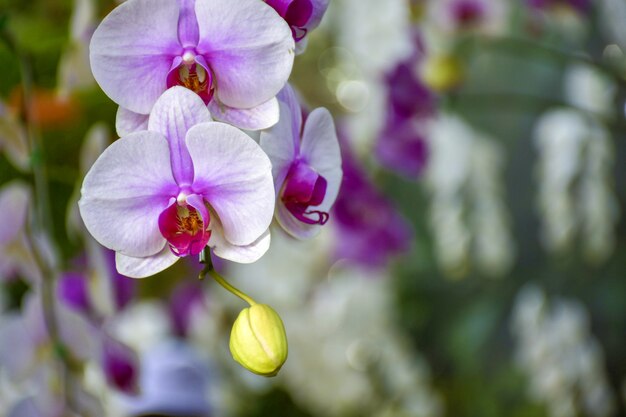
304,188
183,228
192,75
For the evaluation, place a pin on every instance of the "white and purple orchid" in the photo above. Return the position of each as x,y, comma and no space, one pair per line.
154,196
236,55
302,16
306,164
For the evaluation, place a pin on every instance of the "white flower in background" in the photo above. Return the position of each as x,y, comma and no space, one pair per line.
376,33
559,136
613,15
74,72
142,325
372,37
575,188
564,362
467,214
493,243
588,89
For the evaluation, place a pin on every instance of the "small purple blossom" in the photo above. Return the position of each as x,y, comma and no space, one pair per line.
370,230
302,16
236,55
401,145
306,165
467,13
157,195
73,289
120,365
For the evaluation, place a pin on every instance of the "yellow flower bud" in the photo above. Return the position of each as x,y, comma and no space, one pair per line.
258,340
442,73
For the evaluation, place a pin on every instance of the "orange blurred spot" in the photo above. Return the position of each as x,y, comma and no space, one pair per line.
47,109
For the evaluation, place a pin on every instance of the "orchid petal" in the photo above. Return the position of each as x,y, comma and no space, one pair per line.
249,47
187,24
174,113
290,98
14,208
320,149
279,145
240,254
263,116
301,46
147,266
319,9
125,191
127,122
132,50
235,176
280,6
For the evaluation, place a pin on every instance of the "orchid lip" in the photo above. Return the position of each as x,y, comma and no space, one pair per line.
184,227
192,72
304,188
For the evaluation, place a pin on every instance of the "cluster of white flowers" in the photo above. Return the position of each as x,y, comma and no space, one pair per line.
575,163
468,215
563,360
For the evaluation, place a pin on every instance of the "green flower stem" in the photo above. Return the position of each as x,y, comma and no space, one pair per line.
205,258
220,280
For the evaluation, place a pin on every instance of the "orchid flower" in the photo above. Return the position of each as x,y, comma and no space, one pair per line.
306,164
302,16
157,195
236,55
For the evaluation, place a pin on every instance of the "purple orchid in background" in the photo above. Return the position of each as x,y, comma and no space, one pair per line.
401,145
236,55
120,365
302,16
157,195
306,165
369,229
